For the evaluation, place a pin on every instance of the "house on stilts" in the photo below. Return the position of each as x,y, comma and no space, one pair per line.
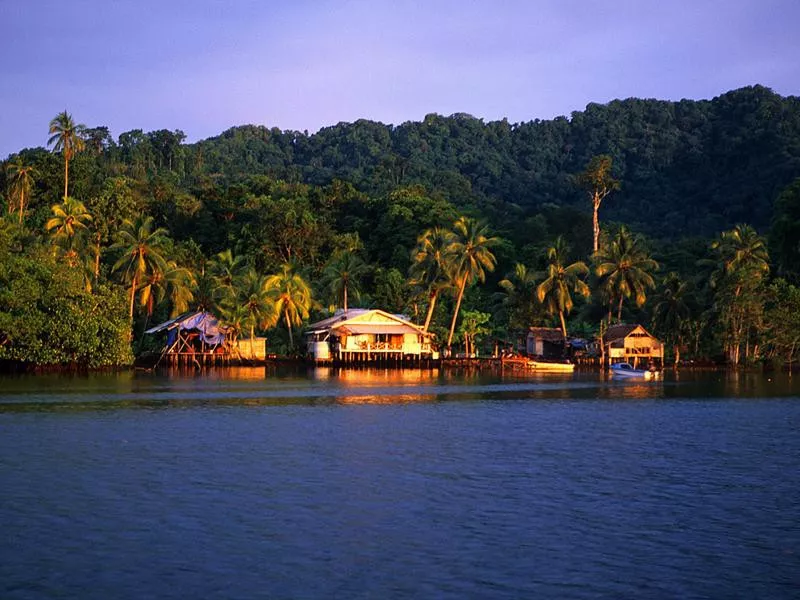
361,335
632,344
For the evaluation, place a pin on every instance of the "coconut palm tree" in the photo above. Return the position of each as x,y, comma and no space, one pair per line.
226,269
625,270
21,178
174,282
742,252
291,296
469,256
342,276
68,223
742,262
428,261
141,248
66,137
516,301
672,313
560,282
259,307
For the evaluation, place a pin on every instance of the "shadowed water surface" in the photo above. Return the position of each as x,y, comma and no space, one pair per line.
399,484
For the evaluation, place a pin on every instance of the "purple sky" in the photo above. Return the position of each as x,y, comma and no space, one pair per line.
206,65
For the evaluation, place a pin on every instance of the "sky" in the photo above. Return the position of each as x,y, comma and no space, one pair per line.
203,66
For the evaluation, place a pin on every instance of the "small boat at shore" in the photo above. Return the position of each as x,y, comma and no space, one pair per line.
554,367
626,371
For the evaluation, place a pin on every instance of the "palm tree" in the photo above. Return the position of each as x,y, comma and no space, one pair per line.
258,306
21,178
226,269
671,313
69,221
516,300
625,269
555,292
742,263
342,275
291,295
468,258
174,282
427,270
741,251
68,139
142,248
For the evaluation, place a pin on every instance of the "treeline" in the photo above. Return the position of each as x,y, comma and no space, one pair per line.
271,228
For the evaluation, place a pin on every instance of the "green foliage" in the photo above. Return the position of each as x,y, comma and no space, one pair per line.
48,318
390,195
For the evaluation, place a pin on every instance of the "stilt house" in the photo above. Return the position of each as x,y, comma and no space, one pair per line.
632,344
367,335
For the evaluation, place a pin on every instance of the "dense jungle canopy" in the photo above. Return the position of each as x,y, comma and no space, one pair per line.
354,201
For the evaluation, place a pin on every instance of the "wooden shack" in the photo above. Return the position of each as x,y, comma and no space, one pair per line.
365,336
545,342
632,344
195,338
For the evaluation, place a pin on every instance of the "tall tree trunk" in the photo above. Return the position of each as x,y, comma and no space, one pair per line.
619,309
458,308
289,327
596,222
252,341
345,297
133,294
66,176
431,306
563,325
21,204
97,252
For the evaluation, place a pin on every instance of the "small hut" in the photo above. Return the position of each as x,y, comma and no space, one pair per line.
195,338
632,344
545,342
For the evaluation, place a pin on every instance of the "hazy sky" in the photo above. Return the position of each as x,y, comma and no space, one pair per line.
206,65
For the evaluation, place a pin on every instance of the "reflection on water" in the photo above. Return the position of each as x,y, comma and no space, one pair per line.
267,386
294,483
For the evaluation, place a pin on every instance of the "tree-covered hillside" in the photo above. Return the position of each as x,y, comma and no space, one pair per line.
688,167
696,235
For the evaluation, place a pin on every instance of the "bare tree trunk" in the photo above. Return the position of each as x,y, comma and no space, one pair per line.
563,325
458,307
289,327
66,176
596,221
430,311
133,294
21,204
619,309
345,297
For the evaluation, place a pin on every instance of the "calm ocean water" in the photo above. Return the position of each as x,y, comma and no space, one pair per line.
399,484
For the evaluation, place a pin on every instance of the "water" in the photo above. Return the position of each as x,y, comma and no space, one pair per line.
404,484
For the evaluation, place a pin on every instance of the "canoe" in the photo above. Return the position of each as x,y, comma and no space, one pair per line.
555,367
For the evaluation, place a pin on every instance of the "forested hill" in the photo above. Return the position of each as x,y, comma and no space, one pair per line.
688,167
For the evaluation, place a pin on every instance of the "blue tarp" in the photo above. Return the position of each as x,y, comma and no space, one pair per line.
204,323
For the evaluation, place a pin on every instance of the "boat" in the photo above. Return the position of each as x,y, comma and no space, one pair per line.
625,370
554,367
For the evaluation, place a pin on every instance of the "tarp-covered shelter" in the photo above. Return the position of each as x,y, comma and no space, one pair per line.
194,335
